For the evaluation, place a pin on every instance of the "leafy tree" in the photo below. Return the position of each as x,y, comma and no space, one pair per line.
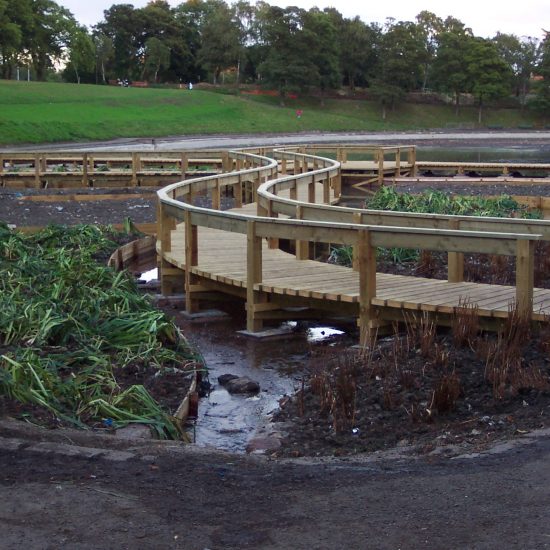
541,101
450,69
430,26
81,52
521,56
319,36
104,50
45,34
221,42
157,57
401,60
122,25
488,74
11,34
288,64
358,51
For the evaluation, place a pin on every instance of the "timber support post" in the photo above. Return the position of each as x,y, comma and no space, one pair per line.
302,247
191,260
367,285
136,166
525,262
455,260
170,276
253,276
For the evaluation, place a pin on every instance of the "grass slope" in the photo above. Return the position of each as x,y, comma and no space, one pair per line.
40,112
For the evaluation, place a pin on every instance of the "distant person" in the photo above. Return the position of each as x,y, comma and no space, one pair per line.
190,85
299,113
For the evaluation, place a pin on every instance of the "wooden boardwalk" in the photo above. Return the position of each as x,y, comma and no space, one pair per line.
223,259
287,282
236,251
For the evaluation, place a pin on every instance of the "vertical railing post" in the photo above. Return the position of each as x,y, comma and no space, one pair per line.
302,247
525,261
85,182
455,260
326,190
184,165
225,162
37,163
191,260
398,163
165,226
412,161
283,167
367,284
238,191
216,195
380,166
357,219
135,168
253,276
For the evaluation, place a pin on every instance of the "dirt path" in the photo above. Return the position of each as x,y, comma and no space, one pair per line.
168,143
162,496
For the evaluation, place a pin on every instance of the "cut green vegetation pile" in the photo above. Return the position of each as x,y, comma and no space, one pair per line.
434,202
69,325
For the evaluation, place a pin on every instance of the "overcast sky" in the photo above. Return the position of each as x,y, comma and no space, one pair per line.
485,17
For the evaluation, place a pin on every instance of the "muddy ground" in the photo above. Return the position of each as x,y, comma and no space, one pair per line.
82,491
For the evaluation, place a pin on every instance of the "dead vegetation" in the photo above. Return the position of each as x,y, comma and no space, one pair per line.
422,381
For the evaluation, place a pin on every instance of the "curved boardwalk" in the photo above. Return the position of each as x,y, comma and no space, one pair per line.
236,252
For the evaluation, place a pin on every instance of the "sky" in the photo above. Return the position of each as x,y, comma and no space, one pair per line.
485,18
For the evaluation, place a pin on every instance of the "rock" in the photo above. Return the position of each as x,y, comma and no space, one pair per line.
242,385
238,384
224,379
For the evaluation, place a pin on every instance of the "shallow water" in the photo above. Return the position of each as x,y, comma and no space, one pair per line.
229,421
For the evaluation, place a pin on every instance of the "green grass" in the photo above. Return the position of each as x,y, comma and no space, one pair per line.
39,112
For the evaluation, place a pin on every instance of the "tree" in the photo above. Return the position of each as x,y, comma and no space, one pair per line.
48,36
319,36
221,42
157,57
521,57
121,24
104,51
288,64
401,59
430,26
358,51
81,52
11,34
450,69
488,75
541,102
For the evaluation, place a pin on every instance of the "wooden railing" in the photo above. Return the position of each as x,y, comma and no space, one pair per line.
84,168
360,233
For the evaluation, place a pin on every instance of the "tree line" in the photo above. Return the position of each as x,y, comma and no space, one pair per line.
286,49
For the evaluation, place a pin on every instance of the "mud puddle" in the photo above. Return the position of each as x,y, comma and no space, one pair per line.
229,421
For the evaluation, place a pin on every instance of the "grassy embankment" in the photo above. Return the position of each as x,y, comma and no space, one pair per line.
36,112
